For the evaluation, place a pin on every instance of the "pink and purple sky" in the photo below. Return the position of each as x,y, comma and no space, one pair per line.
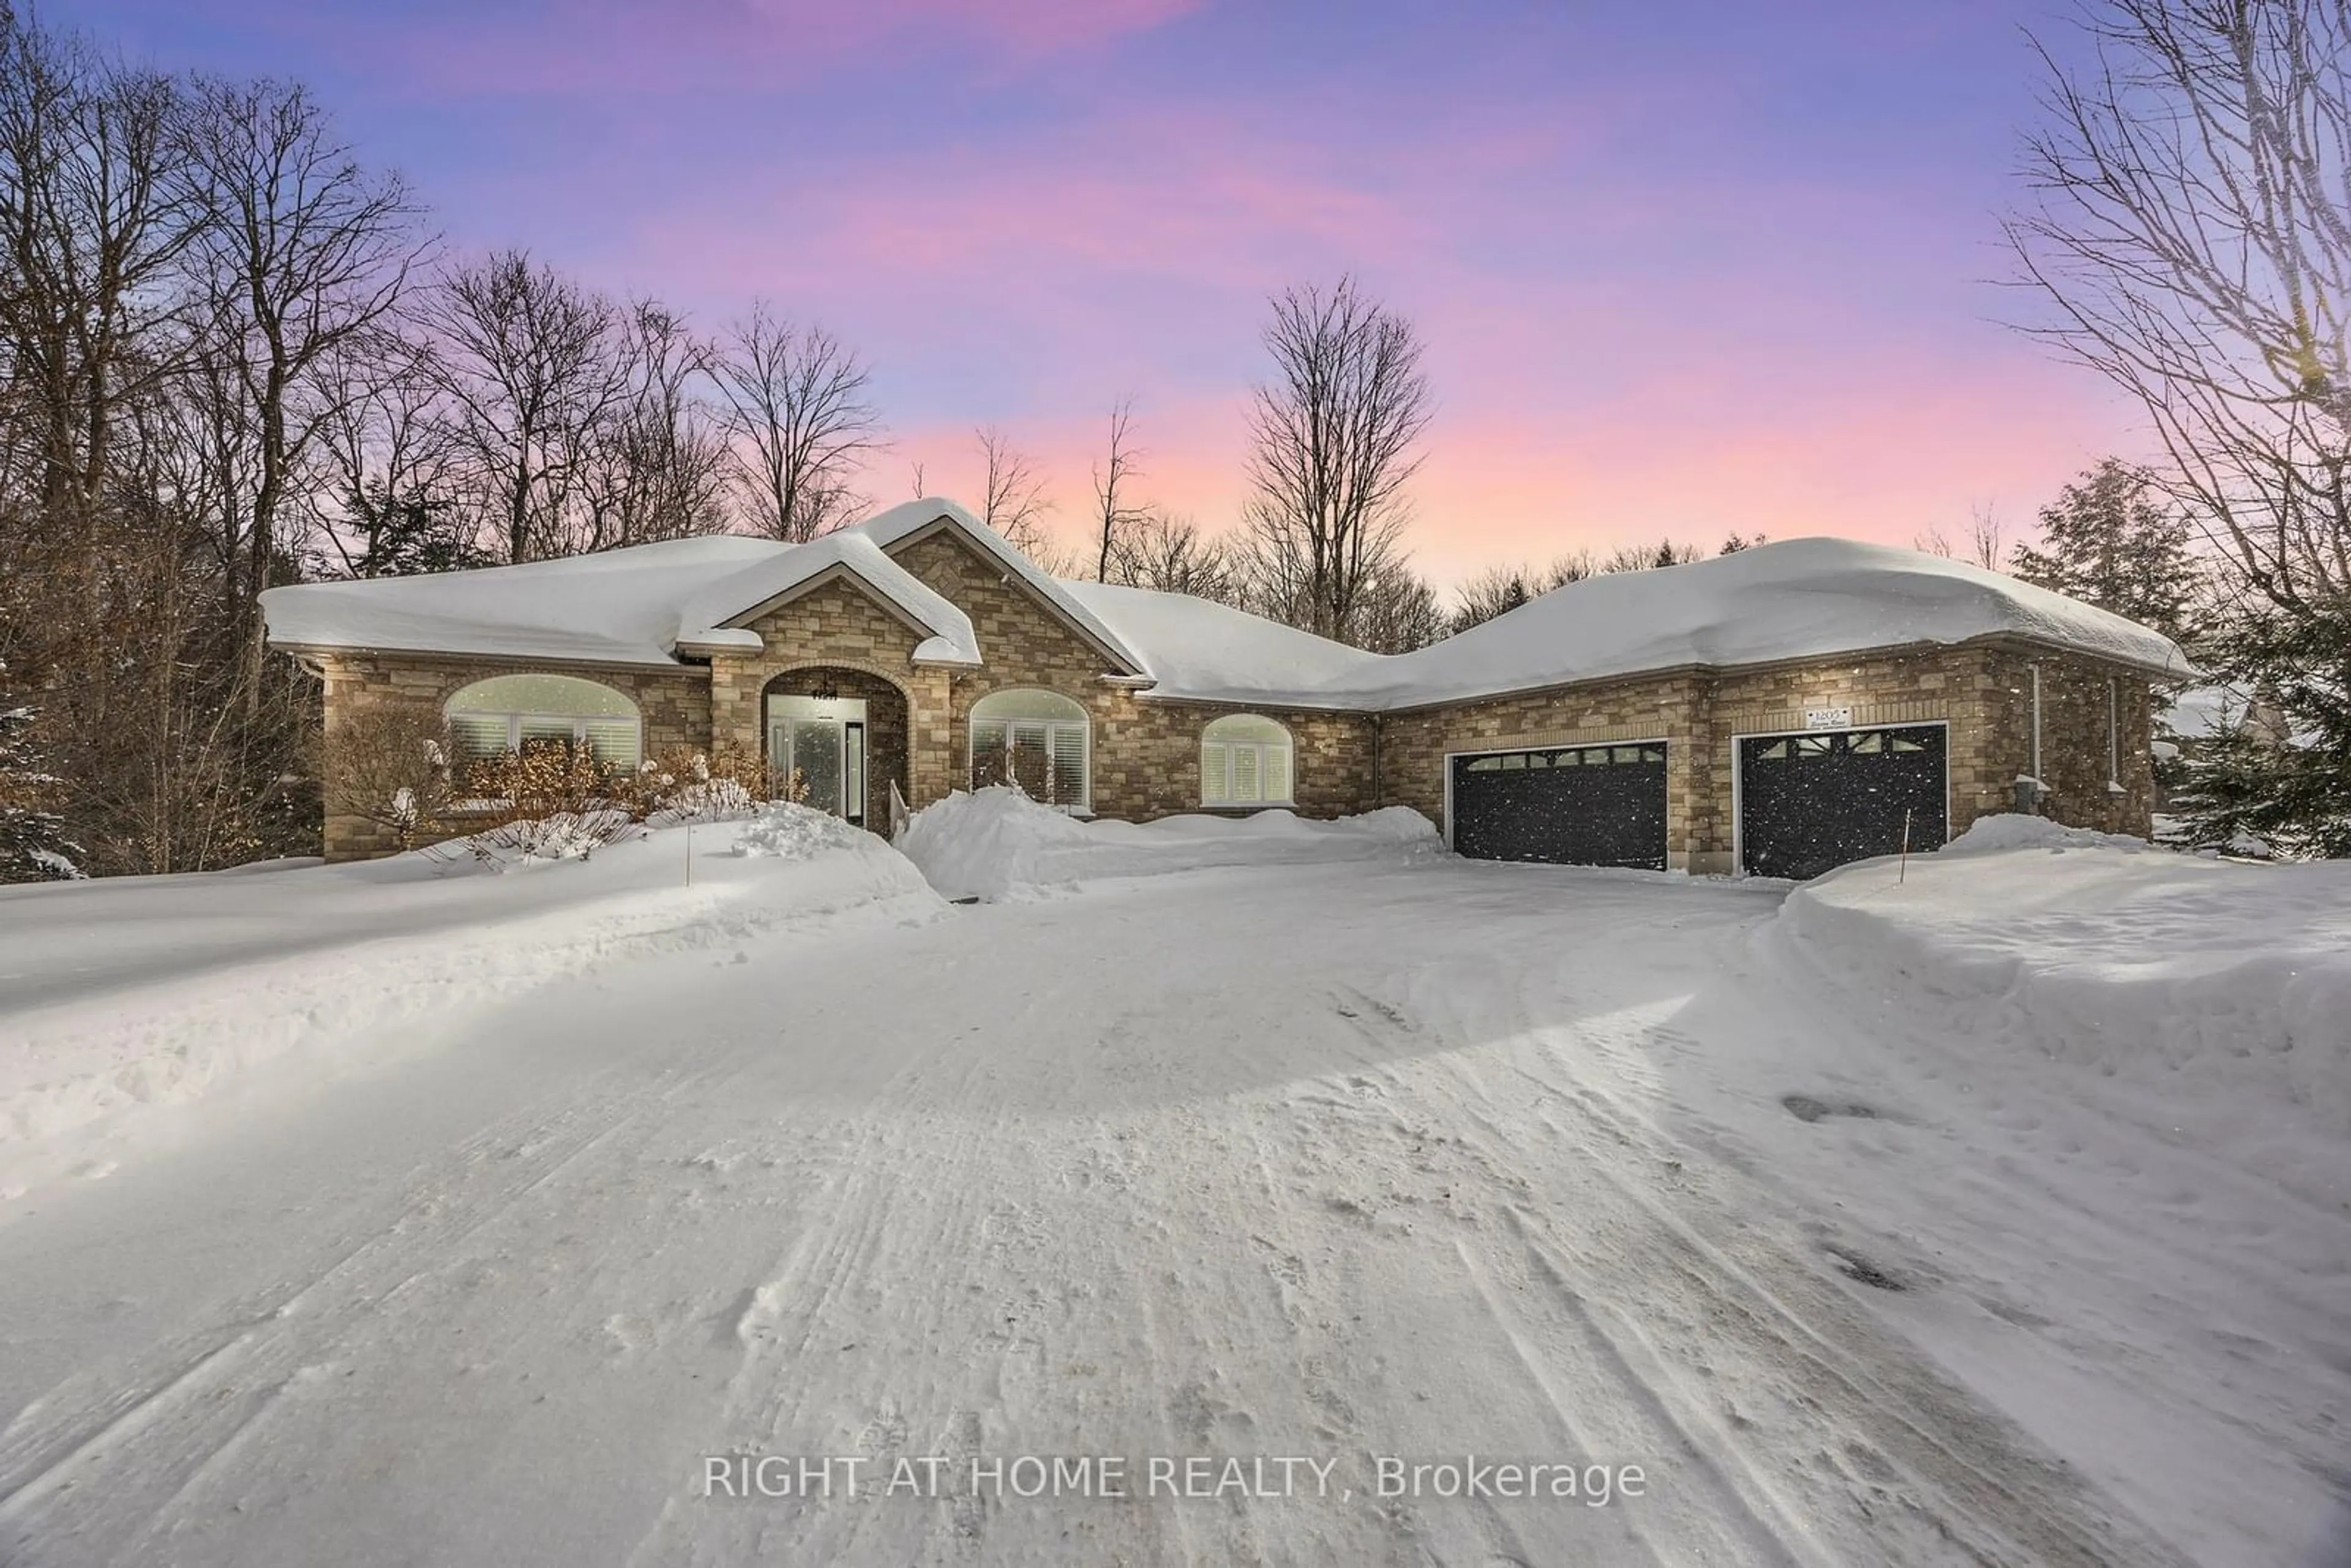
1681,268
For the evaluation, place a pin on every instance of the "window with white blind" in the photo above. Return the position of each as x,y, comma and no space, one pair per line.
1039,740
1245,760
507,712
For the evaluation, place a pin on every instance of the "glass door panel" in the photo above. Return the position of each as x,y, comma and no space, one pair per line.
817,755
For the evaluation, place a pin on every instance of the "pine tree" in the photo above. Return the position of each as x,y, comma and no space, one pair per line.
2111,540
2290,791
408,534
32,845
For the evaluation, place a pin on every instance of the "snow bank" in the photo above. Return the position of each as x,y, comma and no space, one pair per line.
193,982
789,832
993,842
2217,993
2016,830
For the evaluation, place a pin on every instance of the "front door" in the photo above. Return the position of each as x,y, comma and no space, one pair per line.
818,743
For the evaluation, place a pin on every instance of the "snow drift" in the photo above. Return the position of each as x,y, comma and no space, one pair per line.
187,983
993,842
2220,991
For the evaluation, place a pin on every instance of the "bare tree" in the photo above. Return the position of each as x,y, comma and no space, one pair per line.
386,503
1170,554
1986,544
305,250
659,468
94,227
529,361
1495,591
796,405
1397,611
1333,439
1115,508
1013,498
2192,233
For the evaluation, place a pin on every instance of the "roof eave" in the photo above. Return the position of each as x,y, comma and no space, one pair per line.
302,648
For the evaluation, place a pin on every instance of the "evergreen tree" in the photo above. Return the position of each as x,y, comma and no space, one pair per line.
408,534
2292,790
32,845
2112,540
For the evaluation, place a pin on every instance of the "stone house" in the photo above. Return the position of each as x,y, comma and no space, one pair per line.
1776,711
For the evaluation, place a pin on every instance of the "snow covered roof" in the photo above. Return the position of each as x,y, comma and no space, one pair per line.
1195,650
1796,600
703,619
1799,599
620,607
646,604
887,529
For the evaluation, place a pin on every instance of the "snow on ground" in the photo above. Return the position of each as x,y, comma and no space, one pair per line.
2090,1103
1825,1210
996,842
123,998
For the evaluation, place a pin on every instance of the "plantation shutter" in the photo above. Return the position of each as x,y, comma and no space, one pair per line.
611,741
1276,773
1245,773
1214,790
1069,782
988,755
1029,765
541,727
479,735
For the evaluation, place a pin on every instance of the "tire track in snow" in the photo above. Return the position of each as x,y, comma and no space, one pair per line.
176,1413
1969,1483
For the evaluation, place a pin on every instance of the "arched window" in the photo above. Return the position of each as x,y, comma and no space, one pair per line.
1037,739
505,712
1245,760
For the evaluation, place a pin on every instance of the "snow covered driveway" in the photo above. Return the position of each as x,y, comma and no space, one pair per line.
1329,1162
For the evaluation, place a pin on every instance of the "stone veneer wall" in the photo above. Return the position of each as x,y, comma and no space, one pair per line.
1025,644
672,708
837,625
1146,753
1147,760
2077,763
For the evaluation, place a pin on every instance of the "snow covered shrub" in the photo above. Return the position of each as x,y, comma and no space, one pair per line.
686,784
391,768
557,836
550,800
544,779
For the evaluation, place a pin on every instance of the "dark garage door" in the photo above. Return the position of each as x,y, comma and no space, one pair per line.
1809,802
1577,805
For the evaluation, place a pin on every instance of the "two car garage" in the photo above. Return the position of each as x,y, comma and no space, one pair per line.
1803,803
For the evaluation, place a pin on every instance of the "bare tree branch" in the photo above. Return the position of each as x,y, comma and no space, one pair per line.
1115,509
796,405
1334,437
